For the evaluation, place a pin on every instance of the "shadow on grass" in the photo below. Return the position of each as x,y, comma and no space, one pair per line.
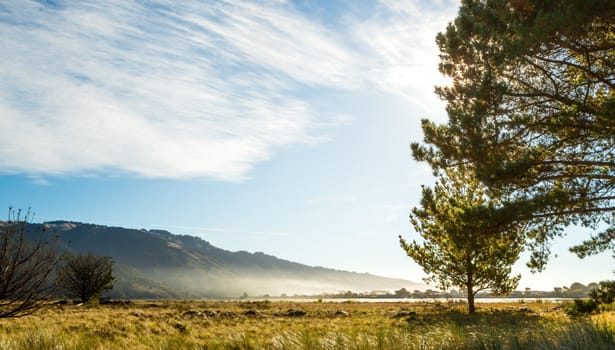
501,319
453,328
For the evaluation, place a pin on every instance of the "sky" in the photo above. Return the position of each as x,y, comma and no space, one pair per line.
277,126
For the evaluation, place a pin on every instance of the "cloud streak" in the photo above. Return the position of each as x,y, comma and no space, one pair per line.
401,40
170,89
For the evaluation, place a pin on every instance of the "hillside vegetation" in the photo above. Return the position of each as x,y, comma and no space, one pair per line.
156,264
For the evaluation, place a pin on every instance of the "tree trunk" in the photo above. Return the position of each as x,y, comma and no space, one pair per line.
471,308
470,284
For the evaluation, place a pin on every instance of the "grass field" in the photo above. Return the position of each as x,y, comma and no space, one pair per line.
313,325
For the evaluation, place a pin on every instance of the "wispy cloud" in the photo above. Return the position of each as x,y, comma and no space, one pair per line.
181,89
400,36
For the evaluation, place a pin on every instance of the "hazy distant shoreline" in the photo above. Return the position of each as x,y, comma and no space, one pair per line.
479,299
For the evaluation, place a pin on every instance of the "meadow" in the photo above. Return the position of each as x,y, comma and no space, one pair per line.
306,325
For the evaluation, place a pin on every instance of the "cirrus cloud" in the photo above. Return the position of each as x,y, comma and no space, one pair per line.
178,89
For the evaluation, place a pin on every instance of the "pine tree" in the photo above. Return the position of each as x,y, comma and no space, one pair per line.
466,244
532,109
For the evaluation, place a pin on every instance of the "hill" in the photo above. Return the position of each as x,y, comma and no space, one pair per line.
159,264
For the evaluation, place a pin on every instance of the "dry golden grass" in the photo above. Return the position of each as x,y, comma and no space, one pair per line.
264,324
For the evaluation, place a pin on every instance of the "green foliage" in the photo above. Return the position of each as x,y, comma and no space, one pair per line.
602,295
85,276
605,293
581,307
531,109
464,246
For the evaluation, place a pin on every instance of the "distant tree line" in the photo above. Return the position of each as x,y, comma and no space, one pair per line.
575,290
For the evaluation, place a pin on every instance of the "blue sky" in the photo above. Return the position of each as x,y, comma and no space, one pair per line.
275,126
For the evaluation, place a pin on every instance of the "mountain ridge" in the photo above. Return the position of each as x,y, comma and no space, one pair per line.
159,264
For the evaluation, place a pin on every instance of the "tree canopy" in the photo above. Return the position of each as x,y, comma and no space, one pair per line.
85,276
532,111
462,247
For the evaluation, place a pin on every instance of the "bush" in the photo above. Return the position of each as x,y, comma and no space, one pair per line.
605,293
581,307
85,276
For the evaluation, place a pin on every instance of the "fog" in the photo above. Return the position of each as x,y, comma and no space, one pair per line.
199,283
